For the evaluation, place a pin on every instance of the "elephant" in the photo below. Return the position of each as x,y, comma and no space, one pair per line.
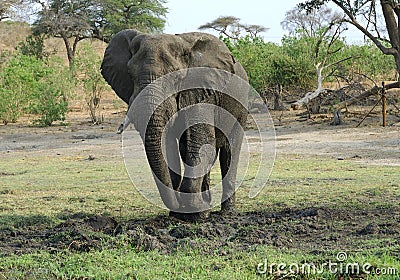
133,61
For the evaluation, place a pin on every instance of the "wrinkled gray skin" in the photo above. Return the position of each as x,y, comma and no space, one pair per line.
134,60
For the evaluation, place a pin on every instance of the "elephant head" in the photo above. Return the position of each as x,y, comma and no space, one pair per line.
132,61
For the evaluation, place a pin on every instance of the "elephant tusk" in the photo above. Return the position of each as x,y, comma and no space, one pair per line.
123,125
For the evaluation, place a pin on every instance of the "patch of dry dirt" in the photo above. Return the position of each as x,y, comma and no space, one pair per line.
372,145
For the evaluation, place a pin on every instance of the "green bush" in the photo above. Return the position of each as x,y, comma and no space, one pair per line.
50,100
19,76
370,61
34,86
33,46
255,56
292,63
87,70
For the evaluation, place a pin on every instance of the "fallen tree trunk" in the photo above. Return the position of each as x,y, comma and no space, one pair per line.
307,98
372,91
365,94
319,67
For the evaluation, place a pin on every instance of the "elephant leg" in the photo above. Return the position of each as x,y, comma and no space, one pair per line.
229,159
197,156
206,197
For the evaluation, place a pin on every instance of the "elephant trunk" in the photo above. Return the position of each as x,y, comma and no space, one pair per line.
159,166
150,116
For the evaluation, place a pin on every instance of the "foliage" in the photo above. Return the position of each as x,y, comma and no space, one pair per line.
4,57
50,100
33,46
366,16
86,66
370,62
292,63
76,20
254,55
30,85
18,78
268,64
116,15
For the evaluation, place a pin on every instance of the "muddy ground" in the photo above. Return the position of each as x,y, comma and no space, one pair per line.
309,229
313,230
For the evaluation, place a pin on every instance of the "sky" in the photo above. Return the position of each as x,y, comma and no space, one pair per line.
188,15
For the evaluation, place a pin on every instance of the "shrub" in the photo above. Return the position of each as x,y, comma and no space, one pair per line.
18,78
87,70
254,55
292,63
33,46
31,85
50,100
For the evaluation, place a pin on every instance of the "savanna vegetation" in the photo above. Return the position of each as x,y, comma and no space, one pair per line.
315,54
290,64
69,211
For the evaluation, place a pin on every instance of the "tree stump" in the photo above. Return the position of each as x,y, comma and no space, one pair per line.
278,105
337,117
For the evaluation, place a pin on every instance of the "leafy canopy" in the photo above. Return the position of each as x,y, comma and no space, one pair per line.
99,19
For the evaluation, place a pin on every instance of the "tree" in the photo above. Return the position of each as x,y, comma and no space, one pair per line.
312,22
76,20
365,15
115,15
231,27
69,20
7,8
322,33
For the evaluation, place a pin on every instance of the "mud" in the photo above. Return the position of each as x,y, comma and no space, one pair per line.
314,230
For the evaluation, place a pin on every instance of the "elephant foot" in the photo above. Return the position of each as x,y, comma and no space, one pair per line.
228,207
191,217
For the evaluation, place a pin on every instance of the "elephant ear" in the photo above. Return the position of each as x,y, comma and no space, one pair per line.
114,67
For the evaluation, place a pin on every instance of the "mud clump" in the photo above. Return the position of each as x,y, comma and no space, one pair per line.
304,229
371,228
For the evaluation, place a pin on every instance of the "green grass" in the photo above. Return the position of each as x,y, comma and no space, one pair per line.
128,263
42,190
301,182
57,186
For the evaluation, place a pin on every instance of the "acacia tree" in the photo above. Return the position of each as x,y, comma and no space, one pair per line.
10,8
115,15
365,15
69,20
231,27
76,20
